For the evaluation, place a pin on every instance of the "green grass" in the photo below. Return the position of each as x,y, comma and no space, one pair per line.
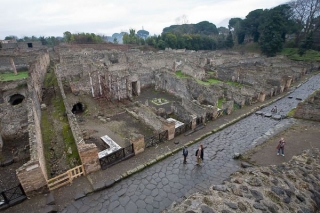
291,113
202,82
235,84
220,102
310,55
11,76
213,81
209,81
66,132
181,75
47,135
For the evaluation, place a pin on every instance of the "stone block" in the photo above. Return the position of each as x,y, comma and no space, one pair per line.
79,195
99,186
109,183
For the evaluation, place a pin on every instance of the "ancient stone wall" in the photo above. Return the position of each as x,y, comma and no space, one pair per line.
194,109
33,174
181,113
148,116
310,108
88,152
290,187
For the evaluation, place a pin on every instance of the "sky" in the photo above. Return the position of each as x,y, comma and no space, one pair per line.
105,17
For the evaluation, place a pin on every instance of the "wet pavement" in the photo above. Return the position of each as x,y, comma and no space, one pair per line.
156,187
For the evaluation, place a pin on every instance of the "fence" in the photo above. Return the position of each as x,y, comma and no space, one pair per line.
182,129
153,140
12,196
65,178
117,156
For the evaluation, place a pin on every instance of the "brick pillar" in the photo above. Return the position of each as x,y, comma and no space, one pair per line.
261,96
170,126
89,157
13,66
138,143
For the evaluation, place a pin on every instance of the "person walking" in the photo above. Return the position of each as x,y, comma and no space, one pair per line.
280,146
199,155
185,154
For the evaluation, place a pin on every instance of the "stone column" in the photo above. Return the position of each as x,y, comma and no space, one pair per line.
13,66
194,122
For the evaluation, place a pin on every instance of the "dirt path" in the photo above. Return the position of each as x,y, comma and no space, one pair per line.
301,136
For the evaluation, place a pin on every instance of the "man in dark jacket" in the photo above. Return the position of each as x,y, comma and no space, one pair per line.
185,154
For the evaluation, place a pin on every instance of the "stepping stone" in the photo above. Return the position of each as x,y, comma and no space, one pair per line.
176,142
268,115
259,113
246,165
290,97
299,99
277,117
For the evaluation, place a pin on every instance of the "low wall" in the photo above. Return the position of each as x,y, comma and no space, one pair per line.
310,108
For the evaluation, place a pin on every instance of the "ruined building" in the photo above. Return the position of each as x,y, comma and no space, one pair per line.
105,84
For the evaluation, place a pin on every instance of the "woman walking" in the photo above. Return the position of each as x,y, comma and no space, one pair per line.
280,146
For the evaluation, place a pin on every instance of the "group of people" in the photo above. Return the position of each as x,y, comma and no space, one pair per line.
198,154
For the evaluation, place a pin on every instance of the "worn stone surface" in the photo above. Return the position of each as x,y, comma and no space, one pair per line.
309,109
266,195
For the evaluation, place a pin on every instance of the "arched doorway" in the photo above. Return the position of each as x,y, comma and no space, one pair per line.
78,108
16,99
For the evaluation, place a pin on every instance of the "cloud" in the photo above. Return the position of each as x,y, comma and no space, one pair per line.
53,17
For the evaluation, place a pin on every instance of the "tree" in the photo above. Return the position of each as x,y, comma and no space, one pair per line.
252,22
115,41
67,36
305,13
273,28
229,41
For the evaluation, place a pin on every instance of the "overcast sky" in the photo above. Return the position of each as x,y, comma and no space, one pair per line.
105,17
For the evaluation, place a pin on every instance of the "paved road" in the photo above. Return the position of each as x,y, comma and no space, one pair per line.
156,187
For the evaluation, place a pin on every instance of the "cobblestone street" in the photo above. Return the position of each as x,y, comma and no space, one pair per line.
156,187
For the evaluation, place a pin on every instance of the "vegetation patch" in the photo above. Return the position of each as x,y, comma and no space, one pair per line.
182,75
293,54
220,102
291,113
47,135
11,76
235,84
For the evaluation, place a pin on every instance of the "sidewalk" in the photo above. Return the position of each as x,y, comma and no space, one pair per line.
106,178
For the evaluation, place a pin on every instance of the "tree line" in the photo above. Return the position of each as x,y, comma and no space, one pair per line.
295,24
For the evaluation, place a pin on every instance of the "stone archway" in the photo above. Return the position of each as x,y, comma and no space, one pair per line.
16,99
